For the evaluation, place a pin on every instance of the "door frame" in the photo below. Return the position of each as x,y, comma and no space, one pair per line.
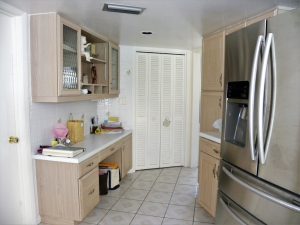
22,96
188,93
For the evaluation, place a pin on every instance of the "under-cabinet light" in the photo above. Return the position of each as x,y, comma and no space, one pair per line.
122,8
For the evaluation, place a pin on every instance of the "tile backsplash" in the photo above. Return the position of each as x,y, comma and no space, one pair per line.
43,116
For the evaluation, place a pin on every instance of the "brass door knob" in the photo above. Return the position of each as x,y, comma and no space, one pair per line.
13,140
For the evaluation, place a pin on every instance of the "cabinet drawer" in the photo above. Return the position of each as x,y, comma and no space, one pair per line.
109,151
87,165
210,148
89,192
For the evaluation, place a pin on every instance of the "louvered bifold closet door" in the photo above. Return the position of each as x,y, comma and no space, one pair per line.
153,151
179,108
166,147
141,110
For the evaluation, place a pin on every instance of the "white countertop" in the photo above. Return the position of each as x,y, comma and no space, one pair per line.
212,136
92,144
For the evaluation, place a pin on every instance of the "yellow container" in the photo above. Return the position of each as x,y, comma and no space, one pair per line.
76,130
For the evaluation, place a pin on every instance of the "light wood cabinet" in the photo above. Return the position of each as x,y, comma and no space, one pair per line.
211,110
126,156
60,70
208,171
213,62
68,192
114,69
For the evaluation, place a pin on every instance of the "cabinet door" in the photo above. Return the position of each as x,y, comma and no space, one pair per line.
213,62
114,70
89,192
211,110
126,156
69,58
208,170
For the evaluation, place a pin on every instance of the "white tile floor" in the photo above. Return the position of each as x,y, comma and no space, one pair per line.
152,197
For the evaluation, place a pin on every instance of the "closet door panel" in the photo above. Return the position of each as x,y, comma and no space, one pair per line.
153,151
166,153
141,111
178,129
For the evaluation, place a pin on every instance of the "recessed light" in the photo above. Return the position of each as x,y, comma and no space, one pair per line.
147,32
122,8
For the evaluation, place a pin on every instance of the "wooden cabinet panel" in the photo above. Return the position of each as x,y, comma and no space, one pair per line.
88,165
126,156
208,170
89,192
114,69
210,148
211,110
213,62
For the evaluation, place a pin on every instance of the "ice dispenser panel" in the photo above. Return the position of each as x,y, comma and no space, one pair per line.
237,112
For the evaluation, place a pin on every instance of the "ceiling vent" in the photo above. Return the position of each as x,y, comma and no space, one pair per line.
122,9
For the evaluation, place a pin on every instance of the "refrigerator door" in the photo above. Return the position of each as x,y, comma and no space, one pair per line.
230,213
239,56
282,165
266,202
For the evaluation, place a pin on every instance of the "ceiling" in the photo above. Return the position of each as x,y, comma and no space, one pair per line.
174,23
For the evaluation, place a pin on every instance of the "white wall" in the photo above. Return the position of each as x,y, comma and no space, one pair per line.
43,116
196,107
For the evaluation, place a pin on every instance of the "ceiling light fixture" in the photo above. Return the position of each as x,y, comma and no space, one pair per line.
147,32
122,8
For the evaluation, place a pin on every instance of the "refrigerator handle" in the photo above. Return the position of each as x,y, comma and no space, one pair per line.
263,147
261,193
259,43
227,207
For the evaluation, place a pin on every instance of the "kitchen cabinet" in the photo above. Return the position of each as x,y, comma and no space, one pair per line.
114,69
126,156
208,170
211,110
213,62
68,192
60,70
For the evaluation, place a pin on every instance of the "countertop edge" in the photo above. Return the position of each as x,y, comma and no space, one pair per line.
210,137
80,159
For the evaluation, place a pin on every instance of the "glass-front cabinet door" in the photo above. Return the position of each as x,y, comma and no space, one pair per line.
69,68
114,70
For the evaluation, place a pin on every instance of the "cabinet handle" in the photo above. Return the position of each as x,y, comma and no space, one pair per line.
214,171
90,164
92,191
112,149
220,79
220,102
215,150
218,171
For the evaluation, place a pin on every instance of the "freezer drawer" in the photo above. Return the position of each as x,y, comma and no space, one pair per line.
230,213
266,202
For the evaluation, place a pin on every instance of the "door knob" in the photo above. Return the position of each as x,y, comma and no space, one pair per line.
13,140
166,122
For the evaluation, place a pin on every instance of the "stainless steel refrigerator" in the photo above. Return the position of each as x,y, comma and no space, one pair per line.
260,171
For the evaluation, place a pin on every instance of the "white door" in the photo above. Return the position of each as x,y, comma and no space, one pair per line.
10,185
160,110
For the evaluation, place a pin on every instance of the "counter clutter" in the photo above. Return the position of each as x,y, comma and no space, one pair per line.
93,144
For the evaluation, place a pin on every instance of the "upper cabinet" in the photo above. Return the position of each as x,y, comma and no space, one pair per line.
70,63
213,62
114,70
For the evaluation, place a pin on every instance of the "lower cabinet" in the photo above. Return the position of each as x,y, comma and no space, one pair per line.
68,192
126,156
208,180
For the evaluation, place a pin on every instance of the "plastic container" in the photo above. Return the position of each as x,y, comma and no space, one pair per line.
103,184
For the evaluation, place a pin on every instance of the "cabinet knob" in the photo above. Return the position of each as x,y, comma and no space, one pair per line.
90,164
92,191
215,150
221,79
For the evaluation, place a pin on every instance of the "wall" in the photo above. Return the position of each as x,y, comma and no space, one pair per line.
43,116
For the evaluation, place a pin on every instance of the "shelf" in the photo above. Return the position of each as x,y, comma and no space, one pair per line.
93,60
88,84
69,49
212,136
